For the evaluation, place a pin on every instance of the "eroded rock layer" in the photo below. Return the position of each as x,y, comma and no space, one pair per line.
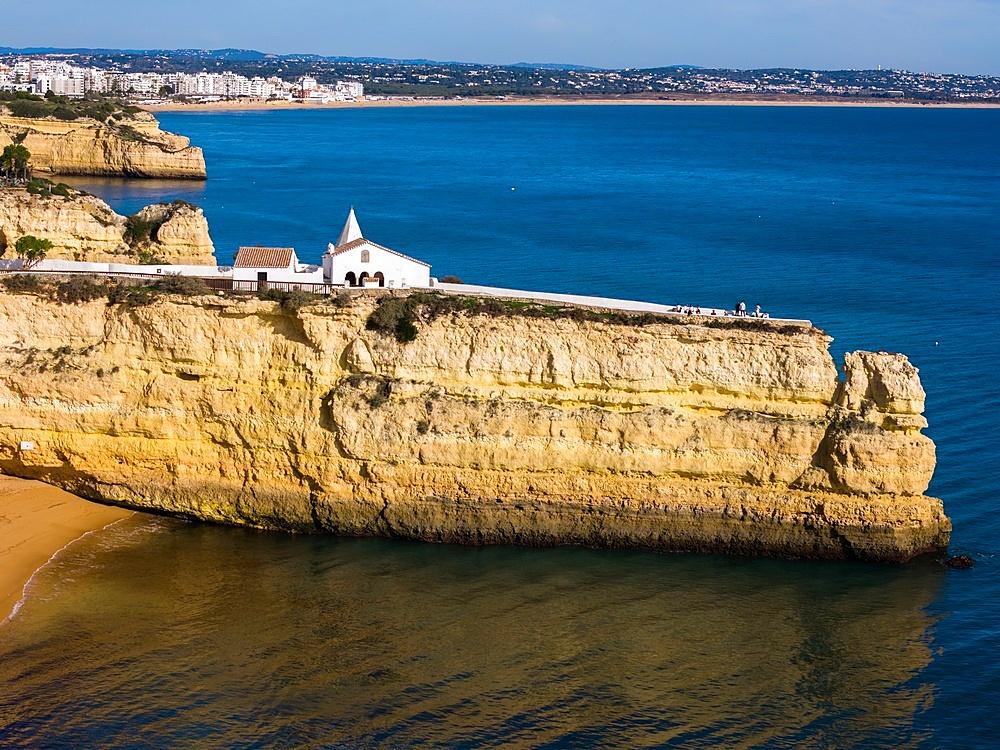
89,147
666,436
82,227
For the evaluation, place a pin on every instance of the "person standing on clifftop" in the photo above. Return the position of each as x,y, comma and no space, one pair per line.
741,309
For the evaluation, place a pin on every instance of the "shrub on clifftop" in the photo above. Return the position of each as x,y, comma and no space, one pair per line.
140,231
395,315
290,301
32,249
14,160
187,286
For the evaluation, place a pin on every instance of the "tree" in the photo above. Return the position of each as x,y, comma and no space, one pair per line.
14,160
32,249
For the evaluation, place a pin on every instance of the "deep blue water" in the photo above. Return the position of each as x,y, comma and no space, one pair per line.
879,225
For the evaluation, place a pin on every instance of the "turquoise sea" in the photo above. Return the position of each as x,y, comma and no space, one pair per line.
880,225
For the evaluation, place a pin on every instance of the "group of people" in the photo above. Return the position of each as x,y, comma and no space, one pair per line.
688,309
741,311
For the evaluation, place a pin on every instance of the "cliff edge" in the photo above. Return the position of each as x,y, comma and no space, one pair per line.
82,227
132,147
730,436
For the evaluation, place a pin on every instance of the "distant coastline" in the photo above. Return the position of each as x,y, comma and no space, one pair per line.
253,105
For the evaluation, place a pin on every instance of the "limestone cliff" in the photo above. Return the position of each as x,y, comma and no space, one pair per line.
136,148
84,228
672,435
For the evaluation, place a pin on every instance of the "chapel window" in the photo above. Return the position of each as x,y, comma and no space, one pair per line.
365,256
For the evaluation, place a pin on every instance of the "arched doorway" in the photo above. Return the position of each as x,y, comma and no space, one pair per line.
350,279
362,278
381,278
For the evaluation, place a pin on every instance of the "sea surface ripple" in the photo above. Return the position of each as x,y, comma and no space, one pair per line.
877,224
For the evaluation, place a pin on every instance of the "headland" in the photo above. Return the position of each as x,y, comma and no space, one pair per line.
123,141
82,227
364,397
451,419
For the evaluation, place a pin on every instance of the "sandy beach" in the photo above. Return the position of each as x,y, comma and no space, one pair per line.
36,521
251,105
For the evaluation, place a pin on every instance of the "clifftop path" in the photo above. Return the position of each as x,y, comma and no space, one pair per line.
133,147
492,427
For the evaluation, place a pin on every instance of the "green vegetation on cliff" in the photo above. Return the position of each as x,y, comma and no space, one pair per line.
14,161
399,316
93,106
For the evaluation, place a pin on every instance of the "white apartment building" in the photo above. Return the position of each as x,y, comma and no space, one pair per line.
73,87
41,75
350,90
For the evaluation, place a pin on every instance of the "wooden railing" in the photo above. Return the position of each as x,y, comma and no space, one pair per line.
284,286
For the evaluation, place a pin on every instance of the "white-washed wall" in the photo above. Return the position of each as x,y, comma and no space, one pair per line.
397,270
74,266
308,274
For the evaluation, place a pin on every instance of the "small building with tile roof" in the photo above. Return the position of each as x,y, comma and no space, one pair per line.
274,264
356,261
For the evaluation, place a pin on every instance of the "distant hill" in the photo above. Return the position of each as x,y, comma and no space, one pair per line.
551,66
386,76
250,55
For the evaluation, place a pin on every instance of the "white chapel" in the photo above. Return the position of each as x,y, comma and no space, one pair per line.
355,261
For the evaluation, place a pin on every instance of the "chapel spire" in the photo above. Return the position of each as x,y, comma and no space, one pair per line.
351,230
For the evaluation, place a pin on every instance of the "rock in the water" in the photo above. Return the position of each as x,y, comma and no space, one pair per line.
959,562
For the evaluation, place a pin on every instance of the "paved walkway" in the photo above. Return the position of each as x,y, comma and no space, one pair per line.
606,303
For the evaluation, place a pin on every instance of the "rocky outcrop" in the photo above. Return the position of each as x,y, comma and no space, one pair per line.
84,228
135,148
676,435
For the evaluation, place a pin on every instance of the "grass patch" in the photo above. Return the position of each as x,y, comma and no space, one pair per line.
21,283
93,106
41,186
395,316
289,301
187,286
82,288
140,231
400,316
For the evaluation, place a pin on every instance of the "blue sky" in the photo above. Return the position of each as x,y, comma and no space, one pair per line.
947,36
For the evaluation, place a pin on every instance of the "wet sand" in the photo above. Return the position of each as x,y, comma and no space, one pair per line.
36,521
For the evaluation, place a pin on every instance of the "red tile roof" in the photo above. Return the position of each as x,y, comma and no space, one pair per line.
264,257
362,241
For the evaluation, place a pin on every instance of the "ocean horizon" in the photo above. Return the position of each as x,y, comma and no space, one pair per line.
876,224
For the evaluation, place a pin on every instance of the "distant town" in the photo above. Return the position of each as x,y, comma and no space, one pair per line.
42,75
233,74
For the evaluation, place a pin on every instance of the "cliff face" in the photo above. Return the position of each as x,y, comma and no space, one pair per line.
89,147
84,228
482,430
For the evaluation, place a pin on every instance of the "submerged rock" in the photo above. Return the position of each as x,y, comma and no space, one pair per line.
959,562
